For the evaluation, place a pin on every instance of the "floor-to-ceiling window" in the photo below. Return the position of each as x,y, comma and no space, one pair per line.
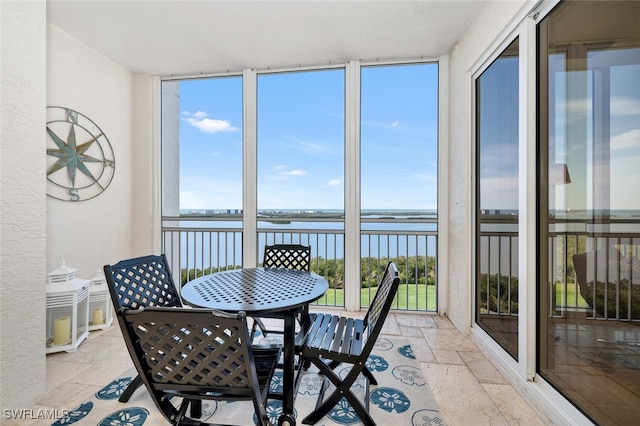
497,199
205,117
301,142
301,167
202,173
311,161
589,211
399,175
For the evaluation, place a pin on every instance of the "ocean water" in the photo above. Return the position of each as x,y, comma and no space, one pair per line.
218,243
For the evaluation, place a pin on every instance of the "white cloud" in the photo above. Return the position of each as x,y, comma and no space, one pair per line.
395,124
282,170
296,172
620,106
623,106
334,182
314,148
191,200
499,193
196,193
200,121
626,140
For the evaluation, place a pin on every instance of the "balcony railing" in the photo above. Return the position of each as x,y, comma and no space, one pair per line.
611,287
620,293
196,246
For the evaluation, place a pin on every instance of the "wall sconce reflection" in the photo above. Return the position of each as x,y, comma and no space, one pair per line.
559,174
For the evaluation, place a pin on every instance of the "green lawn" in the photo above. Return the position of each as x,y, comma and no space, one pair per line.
573,297
410,297
418,300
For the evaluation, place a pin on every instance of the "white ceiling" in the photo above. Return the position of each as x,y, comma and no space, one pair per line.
196,36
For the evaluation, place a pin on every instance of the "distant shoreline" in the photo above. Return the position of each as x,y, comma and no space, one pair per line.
291,214
309,213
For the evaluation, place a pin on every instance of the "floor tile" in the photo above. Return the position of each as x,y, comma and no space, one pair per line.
468,388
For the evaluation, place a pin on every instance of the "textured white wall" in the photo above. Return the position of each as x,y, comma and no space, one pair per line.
22,203
91,233
490,20
43,66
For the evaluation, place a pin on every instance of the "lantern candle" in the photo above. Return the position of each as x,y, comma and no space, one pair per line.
61,330
98,316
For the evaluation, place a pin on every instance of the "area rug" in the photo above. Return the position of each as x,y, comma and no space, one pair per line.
402,397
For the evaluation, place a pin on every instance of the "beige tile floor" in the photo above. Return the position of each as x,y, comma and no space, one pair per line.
468,388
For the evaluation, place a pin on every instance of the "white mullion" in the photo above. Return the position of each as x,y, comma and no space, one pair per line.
527,201
442,267
352,187
156,165
249,169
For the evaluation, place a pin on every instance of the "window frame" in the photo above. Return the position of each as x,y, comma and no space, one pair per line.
352,169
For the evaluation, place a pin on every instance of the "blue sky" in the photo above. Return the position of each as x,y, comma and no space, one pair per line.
498,123
300,128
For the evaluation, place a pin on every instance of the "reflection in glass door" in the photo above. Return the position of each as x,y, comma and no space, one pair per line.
497,199
589,246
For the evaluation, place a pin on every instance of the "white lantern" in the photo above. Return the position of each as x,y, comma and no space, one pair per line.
100,306
67,310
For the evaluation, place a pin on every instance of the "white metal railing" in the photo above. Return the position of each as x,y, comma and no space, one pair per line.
499,276
202,245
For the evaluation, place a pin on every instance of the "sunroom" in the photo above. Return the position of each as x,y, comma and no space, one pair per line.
490,148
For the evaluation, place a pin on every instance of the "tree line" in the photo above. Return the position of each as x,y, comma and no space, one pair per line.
413,270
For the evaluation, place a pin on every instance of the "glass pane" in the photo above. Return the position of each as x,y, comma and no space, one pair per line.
202,126
590,242
399,120
202,175
399,156
301,168
301,142
497,199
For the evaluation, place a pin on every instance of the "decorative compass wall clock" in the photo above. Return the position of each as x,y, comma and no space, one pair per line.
80,160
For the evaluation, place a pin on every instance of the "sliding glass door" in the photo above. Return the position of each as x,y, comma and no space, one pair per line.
497,199
589,244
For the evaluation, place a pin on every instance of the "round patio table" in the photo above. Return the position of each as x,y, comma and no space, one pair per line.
262,292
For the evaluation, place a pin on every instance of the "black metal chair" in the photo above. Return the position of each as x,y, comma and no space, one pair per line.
141,282
326,337
606,281
197,354
289,256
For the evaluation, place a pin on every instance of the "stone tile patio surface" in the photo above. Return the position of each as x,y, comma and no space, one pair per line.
468,388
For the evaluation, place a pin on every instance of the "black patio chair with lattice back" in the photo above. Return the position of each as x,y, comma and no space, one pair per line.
141,282
289,256
197,354
336,339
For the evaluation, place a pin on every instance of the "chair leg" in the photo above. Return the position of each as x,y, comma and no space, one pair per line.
135,384
196,405
257,323
365,371
196,408
343,389
369,375
181,416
